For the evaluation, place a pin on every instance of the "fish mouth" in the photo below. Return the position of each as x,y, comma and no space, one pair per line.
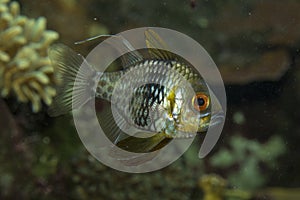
217,118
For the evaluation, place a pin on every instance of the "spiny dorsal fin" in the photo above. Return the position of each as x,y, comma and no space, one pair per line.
127,60
156,46
122,45
68,68
132,57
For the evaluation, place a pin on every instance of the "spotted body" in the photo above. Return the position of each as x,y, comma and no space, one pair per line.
162,94
151,103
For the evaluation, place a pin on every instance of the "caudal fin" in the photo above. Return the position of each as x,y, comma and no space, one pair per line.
77,80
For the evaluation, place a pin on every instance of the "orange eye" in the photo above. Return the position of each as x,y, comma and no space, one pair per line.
200,101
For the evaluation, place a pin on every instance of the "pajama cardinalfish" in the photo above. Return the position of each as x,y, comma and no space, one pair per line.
176,103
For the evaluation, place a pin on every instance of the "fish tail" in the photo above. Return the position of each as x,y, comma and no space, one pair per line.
77,80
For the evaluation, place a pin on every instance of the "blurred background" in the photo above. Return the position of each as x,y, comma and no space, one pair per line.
255,45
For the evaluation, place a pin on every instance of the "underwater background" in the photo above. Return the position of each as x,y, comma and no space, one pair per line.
255,45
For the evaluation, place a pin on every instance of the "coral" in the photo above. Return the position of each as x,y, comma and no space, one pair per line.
25,69
213,187
248,155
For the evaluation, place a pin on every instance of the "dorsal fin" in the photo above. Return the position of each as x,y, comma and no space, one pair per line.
156,46
130,58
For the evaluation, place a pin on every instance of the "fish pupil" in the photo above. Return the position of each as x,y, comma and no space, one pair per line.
200,101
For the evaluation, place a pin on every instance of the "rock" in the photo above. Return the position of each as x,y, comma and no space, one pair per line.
270,66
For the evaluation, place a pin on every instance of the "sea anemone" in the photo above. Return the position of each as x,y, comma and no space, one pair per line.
25,69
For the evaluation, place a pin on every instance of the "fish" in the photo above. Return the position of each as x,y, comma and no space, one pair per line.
176,104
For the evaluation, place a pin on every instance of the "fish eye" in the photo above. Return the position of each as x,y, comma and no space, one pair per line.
200,101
